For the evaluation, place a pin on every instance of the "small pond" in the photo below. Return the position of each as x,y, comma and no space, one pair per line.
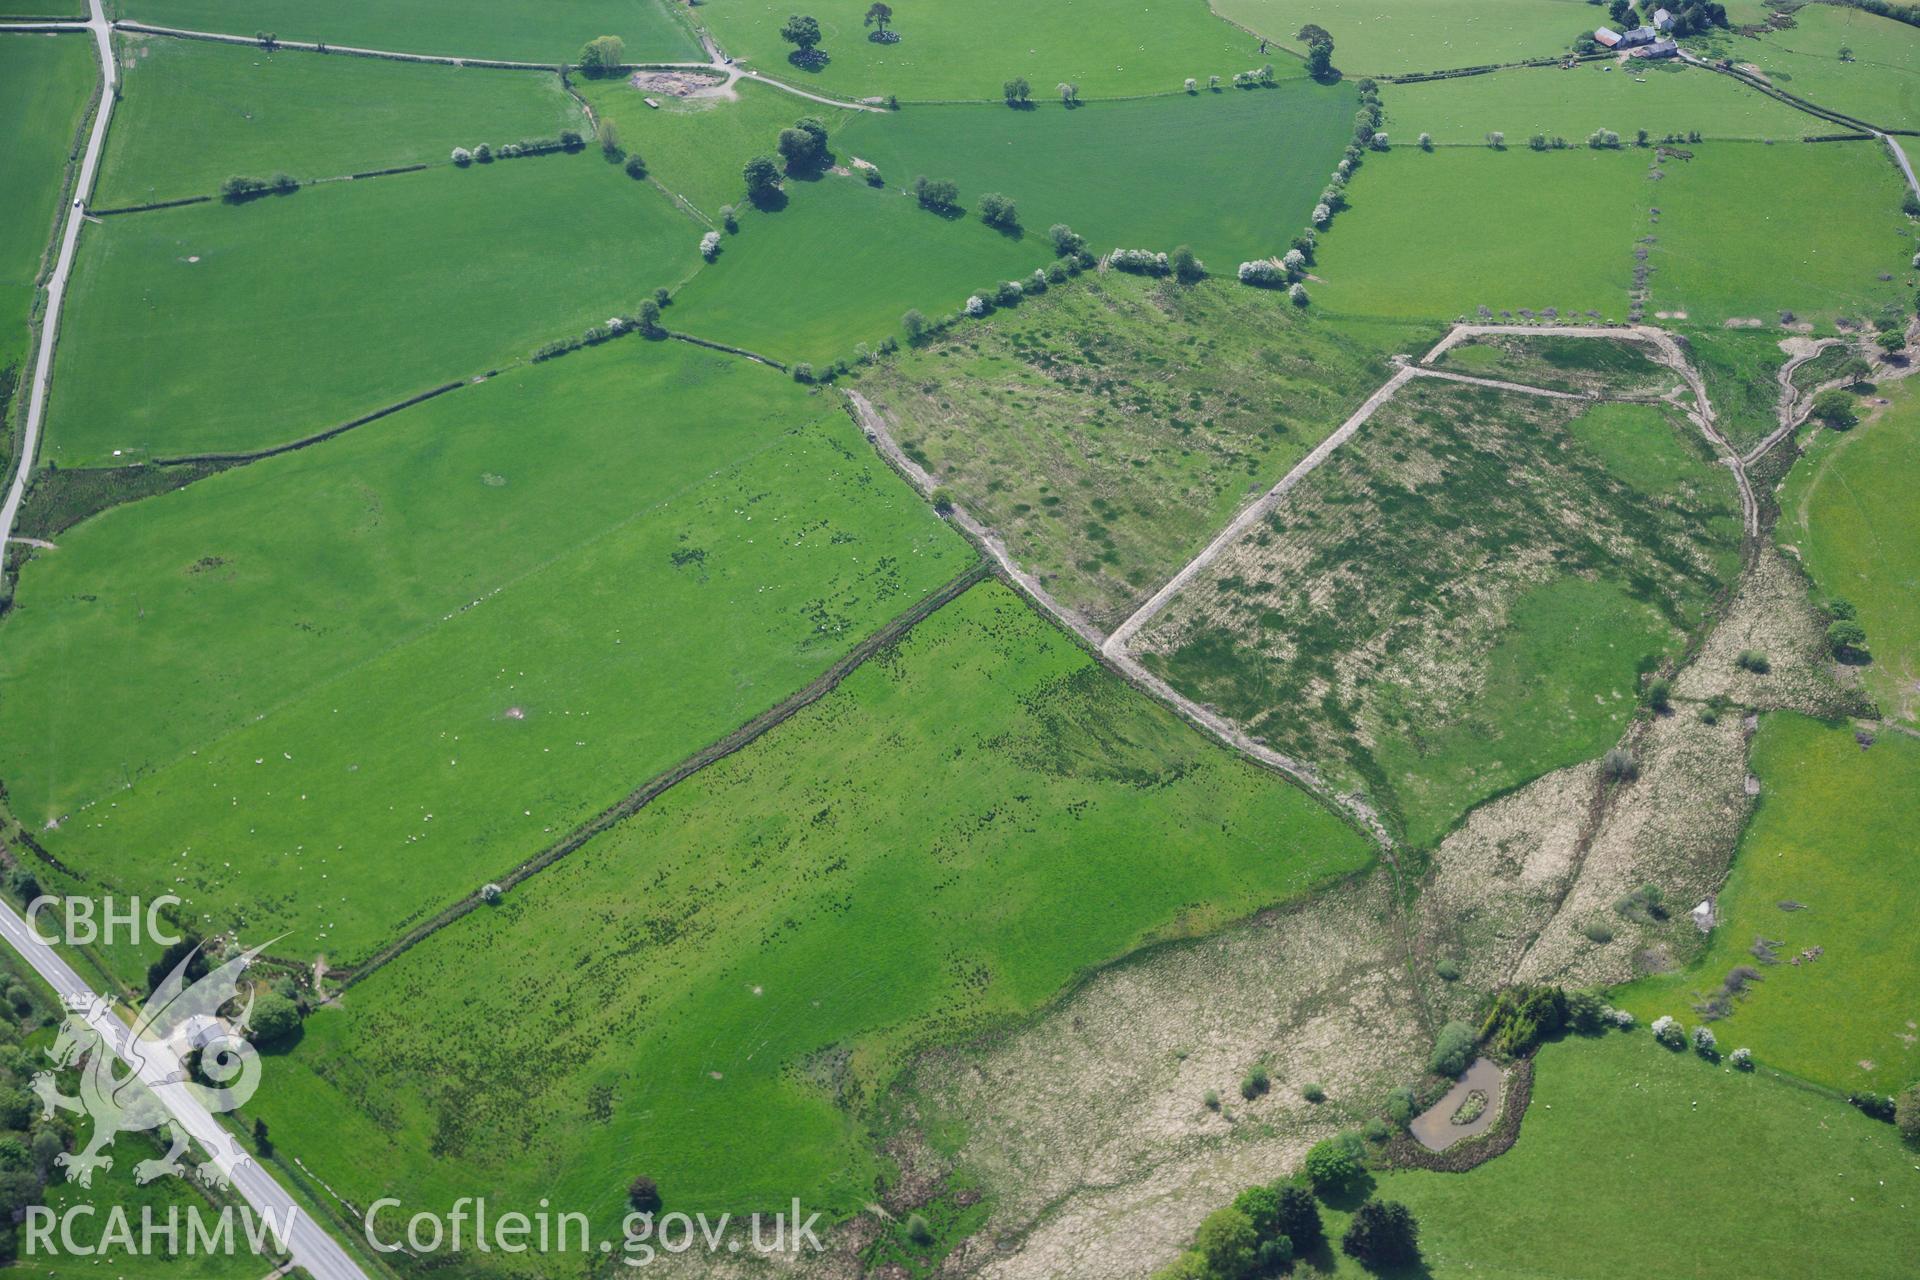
1470,1107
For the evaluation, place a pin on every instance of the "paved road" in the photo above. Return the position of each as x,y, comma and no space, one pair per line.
309,1244
63,266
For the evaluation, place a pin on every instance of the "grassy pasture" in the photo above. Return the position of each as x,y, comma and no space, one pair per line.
45,82
256,690
513,30
1394,37
1110,428
1741,368
1834,833
1462,597
696,147
966,52
43,8
216,327
1628,1151
1881,84
1723,254
714,990
1849,508
192,113
839,264
1423,238
1128,173
1601,366
1661,98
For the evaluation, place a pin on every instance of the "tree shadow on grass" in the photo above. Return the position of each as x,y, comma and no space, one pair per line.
768,201
814,60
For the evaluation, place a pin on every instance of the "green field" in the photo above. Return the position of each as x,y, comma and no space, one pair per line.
402,662
949,51
1368,627
15,9
1849,509
713,991
1741,369
1721,254
1124,173
517,30
696,147
1636,1160
839,265
1381,37
1834,833
221,327
45,82
1420,239
193,113
1108,430
1596,366
1662,98
1881,83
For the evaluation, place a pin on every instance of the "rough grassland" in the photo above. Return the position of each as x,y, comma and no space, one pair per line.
1128,173
353,683
518,30
217,327
1833,832
839,264
44,84
1438,235
1109,429
1722,254
1661,98
193,113
1460,598
1881,85
1591,366
714,990
1666,1165
1850,510
1741,369
696,147
967,51
1380,37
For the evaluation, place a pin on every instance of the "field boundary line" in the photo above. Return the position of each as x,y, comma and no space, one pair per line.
319,437
639,798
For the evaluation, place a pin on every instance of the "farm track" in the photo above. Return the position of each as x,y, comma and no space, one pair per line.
638,799
1795,406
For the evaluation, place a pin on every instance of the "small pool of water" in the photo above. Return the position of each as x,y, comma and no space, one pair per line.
1434,1128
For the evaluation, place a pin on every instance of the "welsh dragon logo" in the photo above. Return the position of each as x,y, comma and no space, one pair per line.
178,1018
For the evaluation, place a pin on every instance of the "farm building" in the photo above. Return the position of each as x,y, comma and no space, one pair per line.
1658,49
1606,37
1662,20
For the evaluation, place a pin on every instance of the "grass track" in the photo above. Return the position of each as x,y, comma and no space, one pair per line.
513,30
307,310
192,113
1126,173
297,661
1834,832
946,840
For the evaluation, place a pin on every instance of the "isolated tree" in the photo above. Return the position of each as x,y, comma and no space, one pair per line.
1835,408
879,14
1846,638
938,194
1383,1233
1069,93
649,318
609,135
643,1193
1226,1241
1319,50
802,31
763,177
1452,1050
1016,91
1186,267
602,56
275,1019
1332,1167
1066,242
800,149
914,325
1000,211
260,1138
